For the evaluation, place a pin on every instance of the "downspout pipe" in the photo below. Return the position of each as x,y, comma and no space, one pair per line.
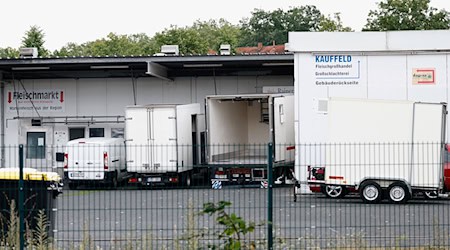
2,121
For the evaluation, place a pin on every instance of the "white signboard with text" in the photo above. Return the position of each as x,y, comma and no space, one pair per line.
337,70
41,100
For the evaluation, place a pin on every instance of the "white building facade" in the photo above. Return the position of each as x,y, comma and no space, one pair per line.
48,112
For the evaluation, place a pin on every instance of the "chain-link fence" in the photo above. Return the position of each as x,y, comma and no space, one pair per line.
386,195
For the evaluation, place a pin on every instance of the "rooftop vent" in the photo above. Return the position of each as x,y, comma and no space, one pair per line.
286,47
225,49
28,52
170,50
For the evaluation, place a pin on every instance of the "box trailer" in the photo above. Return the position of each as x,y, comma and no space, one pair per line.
95,160
384,148
162,143
393,65
239,129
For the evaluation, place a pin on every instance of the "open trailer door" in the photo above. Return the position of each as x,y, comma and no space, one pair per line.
283,126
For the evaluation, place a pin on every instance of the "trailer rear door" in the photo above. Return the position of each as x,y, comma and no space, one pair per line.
137,139
283,126
163,139
428,137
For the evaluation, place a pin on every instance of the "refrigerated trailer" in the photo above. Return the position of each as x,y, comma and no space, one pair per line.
393,65
162,143
239,129
383,148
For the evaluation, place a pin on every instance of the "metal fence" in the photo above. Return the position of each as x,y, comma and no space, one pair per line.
220,204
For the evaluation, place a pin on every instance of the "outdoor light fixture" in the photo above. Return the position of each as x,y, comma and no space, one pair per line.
109,67
205,65
30,68
278,64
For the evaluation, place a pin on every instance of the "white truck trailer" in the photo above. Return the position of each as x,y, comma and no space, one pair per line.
162,143
383,147
95,160
394,65
239,129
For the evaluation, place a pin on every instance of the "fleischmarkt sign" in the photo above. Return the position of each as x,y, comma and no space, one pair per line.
41,100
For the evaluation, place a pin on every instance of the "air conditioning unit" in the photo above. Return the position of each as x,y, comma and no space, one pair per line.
28,52
171,50
225,49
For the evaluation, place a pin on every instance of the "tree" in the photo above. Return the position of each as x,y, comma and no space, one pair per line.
269,27
333,24
71,49
120,45
113,44
218,32
406,15
9,52
188,39
34,37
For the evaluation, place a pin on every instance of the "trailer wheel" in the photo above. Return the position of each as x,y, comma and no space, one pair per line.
370,192
398,192
114,181
186,179
333,191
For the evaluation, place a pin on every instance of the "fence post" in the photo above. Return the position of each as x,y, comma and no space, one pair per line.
21,200
270,197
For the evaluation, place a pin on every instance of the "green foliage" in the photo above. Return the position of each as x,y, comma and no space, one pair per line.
9,52
34,37
234,226
188,39
218,32
333,23
113,44
71,49
273,26
406,15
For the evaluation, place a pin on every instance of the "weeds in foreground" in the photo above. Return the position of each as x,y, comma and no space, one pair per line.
36,238
234,227
232,233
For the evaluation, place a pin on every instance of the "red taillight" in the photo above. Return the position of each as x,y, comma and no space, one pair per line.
66,160
133,180
173,180
105,160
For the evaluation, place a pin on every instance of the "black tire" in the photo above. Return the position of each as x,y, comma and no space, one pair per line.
73,186
114,182
370,192
186,179
398,192
334,191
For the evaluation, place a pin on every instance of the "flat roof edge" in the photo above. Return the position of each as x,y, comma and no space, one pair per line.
422,40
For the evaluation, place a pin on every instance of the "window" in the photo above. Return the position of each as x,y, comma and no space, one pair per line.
75,133
96,132
35,145
117,132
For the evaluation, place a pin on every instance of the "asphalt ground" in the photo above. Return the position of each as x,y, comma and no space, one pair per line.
169,218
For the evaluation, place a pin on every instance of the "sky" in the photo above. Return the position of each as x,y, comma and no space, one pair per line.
81,21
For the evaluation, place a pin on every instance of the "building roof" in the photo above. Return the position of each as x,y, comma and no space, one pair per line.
261,49
165,67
